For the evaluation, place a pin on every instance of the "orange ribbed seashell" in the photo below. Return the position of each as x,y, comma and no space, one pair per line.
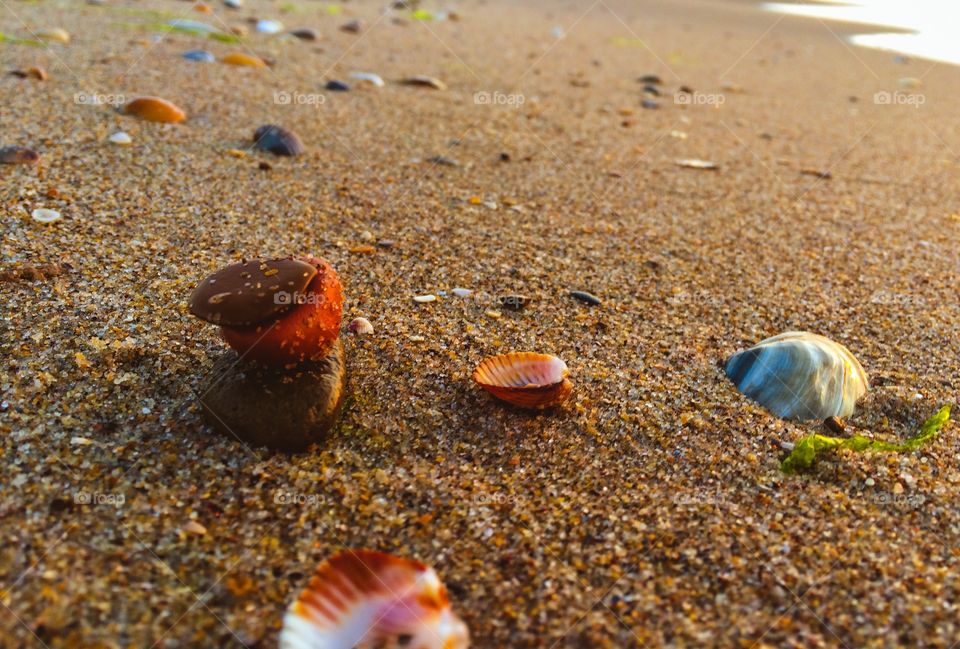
239,58
364,599
525,379
154,109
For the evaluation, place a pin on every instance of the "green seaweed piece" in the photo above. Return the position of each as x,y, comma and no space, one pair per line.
805,452
422,14
13,40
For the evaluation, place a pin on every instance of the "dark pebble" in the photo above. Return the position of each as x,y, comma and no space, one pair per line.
514,302
280,408
277,140
650,104
586,298
652,90
304,34
685,89
650,78
18,155
834,425
504,157
201,56
337,86
386,243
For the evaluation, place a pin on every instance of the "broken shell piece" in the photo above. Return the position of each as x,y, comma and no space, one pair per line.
423,299
425,81
369,77
360,327
55,34
693,163
365,599
154,109
525,379
121,138
44,215
799,375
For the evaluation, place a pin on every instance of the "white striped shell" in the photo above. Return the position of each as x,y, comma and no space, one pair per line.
799,375
362,599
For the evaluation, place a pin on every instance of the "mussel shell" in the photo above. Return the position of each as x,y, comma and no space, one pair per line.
799,375
18,155
277,140
525,379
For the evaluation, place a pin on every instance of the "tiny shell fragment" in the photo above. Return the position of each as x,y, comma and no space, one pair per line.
277,140
426,82
423,299
54,34
360,326
121,138
693,163
369,77
44,215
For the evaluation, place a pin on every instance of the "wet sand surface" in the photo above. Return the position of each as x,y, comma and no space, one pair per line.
648,511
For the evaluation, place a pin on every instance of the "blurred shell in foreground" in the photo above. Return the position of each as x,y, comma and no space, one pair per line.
525,379
799,375
364,599
155,109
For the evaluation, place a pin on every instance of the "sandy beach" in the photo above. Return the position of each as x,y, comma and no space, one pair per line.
648,511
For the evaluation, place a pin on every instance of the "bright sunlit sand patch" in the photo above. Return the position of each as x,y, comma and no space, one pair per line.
926,28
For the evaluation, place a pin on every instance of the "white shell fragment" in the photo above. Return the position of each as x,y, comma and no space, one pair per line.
423,299
694,163
799,375
369,77
269,26
121,138
360,327
43,215
461,292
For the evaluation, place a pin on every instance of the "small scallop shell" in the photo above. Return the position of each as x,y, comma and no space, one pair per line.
360,327
525,379
365,599
239,58
154,109
799,375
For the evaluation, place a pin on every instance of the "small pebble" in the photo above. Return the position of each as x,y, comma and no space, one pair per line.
35,72
193,527
18,155
337,86
462,292
423,299
269,26
386,243
651,90
353,27
239,58
649,104
586,298
233,4
834,425
369,77
304,34
514,302
202,56
650,79
360,327
44,215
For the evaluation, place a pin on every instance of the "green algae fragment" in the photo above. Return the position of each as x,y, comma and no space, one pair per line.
805,452
20,41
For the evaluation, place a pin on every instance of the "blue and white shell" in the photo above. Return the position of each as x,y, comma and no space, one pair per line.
799,375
